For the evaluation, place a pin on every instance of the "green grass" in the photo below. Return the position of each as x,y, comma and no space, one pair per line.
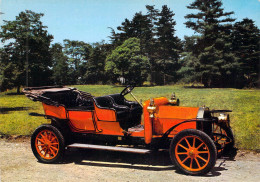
14,114
245,118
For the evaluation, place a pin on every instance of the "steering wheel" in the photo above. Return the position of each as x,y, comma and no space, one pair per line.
127,90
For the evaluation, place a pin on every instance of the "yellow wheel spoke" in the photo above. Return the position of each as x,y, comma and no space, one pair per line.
193,142
191,162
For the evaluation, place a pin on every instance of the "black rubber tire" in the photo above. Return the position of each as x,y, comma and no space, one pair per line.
203,137
61,140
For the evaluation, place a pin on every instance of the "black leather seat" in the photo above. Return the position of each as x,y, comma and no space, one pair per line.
72,100
135,109
122,112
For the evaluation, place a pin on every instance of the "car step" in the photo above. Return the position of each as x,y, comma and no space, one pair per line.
111,148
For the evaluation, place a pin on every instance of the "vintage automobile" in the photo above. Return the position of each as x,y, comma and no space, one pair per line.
194,136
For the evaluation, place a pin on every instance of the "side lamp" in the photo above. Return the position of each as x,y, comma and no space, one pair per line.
151,108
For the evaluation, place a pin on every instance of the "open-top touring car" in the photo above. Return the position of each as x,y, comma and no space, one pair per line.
195,136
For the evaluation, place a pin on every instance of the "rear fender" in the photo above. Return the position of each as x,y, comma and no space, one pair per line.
63,126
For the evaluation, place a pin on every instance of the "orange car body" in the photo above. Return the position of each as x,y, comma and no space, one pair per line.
193,135
104,122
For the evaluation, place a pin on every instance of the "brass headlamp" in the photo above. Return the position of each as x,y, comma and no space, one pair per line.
151,108
173,100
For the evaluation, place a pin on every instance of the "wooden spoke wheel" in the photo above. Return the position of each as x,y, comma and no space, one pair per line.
193,152
47,144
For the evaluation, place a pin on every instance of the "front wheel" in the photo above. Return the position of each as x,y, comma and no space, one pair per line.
47,144
193,152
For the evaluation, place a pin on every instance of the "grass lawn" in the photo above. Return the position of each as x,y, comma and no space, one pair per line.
16,110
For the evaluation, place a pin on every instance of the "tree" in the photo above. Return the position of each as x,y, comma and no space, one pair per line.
142,27
188,61
152,15
27,39
61,72
246,47
127,61
78,52
125,32
155,30
8,75
139,27
213,50
168,46
95,65
151,48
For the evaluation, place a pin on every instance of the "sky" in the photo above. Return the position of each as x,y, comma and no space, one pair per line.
88,20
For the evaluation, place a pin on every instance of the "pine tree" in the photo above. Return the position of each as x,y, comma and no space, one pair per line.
152,15
246,42
78,52
214,52
95,65
139,27
60,66
168,46
189,62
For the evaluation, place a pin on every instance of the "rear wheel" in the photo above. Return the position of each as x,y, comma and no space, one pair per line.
193,152
47,144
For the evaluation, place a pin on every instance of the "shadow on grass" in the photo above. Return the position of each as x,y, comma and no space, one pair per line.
156,161
123,86
6,110
199,87
14,93
36,114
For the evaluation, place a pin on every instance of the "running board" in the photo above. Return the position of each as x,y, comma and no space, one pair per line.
111,148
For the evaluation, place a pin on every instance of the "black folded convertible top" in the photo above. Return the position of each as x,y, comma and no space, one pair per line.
45,89
55,95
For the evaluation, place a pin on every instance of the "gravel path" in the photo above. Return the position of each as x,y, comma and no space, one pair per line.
17,163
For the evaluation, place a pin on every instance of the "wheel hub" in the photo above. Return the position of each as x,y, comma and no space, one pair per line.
192,152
